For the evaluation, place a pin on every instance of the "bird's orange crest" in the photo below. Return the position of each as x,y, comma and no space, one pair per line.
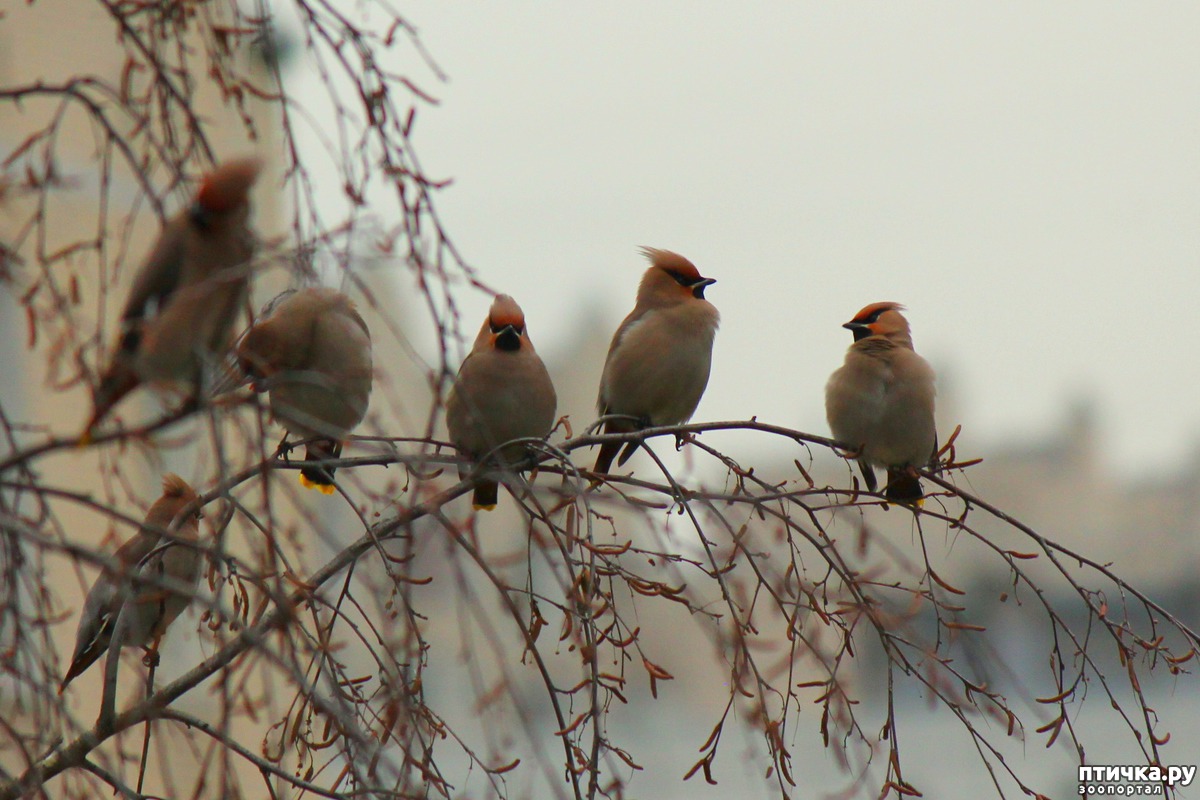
505,311
175,486
672,262
872,312
227,186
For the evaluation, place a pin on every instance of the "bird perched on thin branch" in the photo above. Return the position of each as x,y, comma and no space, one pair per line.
880,402
177,318
660,357
311,351
502,393
151,608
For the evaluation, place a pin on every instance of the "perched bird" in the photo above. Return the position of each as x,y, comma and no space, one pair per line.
659,359
312,352
185,296
502,392
153,607
880,402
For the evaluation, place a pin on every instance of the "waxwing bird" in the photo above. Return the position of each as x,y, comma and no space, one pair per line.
659,359
880,402
311,351
187,293
502,393
149,553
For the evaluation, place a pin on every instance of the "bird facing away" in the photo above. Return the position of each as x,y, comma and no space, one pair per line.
186,295
311,351
153,607
660,357
880,402
502,392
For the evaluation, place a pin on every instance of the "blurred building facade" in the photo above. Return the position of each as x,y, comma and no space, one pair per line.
68,45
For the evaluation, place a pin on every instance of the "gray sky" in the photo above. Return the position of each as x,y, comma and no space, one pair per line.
1025,176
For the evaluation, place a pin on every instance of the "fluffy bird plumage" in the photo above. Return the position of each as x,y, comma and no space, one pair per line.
661,355
502,393
151,608
311,351
176,321
881,401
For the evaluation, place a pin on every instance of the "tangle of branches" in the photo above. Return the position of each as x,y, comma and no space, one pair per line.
386,642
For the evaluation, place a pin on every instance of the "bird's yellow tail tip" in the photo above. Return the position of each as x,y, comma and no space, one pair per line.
917,503
488,507
323,488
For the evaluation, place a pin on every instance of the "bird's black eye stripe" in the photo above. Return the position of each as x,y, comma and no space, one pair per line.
200,216
682,280
131,340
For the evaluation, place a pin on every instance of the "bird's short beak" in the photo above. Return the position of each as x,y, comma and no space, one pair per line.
698,287
861,330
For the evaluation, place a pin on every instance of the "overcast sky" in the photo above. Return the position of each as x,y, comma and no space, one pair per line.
1024,176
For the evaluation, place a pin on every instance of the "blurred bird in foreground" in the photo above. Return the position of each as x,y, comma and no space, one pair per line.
880,402
502,392
178,315
311,351
660,357
150,608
